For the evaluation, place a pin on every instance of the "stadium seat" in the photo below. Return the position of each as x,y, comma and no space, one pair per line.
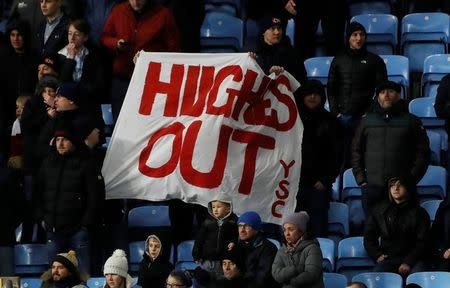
423,34
108,119
334,280
351,195
381,32
327,248
397,67
184,256
290,30
96,282
317,68
149,216
424,109
435,147
432,279
275,242
221,33
433,184
431,207
379,279
435,67
336,192
338,219
232,7
358,7
352,257
136,254
30,258
31,282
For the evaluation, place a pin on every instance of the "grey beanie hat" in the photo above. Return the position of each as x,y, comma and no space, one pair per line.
300,220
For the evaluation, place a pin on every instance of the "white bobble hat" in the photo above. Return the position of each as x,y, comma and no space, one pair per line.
117,264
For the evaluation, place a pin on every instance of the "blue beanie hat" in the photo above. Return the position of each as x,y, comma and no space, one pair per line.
69,90
252,219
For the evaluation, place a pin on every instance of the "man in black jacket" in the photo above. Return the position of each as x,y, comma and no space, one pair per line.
322,143
353,76
67,197
389,142
396,234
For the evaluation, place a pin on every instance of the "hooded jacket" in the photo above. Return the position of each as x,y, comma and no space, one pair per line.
215,234
300,268
399,230
352,79
153,272
389,143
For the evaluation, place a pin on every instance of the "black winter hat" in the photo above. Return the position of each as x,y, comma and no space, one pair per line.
47,81
69,90
271,21
355,26
388,85
235,256
311,87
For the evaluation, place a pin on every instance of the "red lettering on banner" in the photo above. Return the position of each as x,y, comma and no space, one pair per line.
284,187
254,141
200,179
286,100
175,129
154,86
189,106
225,109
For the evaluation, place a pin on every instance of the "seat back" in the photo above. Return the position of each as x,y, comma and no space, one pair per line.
397,67
275,242
381,32
334,280
352,257
30,258
184,256
424,109
379,279
136,255
338,219
431,207
221,32
435,147
433,184
149,216
96,282
232,7
30,282
358,7
435,67
351,195
318,67
327,248
432,279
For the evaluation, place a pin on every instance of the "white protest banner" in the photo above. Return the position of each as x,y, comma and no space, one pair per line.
193,126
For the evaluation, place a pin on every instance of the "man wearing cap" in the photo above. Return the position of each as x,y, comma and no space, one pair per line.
274,52
258,252
66,195
233,267
321,146
354,73
299,262
388,142
48,66
64,272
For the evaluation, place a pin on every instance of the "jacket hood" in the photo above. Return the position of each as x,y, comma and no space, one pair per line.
147,243
311,87
222,197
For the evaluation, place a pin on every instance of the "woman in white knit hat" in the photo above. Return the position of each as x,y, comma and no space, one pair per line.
116,271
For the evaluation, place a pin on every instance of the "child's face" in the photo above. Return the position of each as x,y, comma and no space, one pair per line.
220,209
154,248
49,95
19,109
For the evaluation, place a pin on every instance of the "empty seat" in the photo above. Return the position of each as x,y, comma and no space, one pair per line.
338,219
433,184
352,257
327,248
149,216
358,7
424,34
430,279
431,207
232,7
381,32
318,67
30,258
435,67
184,256
424,109
334,280
96,282
435,147
31,282
275,242
136,255
379,279
221,32
351,195
397,67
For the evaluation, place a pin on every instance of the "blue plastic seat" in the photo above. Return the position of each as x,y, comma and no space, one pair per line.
338,219
318,67
352,257
184,256
221,32
431,207
149,216
351,195
136,255
381,32
334,280
424,34
275,242
30,258
379,279
397,67
327,247
433,184
336,189
290,31
96,282
108,119
435,147
430,279
424,109
232,7
435,67
30,282
358,7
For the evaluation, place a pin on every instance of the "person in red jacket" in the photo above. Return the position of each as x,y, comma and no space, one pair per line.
132,26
